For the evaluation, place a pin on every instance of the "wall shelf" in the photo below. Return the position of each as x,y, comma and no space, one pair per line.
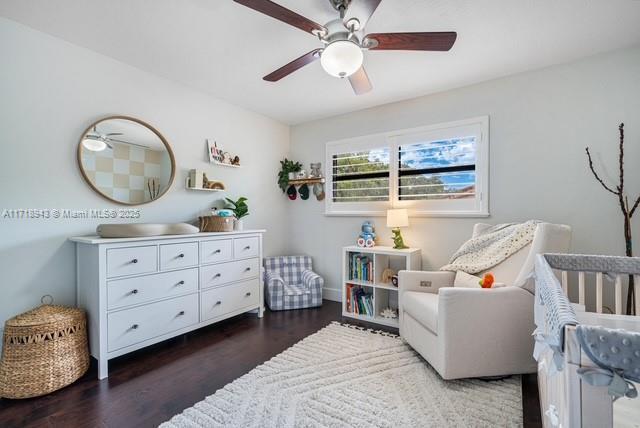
301,181
228,165
199,189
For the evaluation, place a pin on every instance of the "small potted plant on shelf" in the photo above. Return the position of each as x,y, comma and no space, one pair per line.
286,168
240,209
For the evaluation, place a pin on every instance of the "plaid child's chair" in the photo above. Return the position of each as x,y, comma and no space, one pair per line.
291,284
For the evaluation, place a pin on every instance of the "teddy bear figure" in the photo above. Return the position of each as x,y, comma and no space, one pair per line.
367,237
315,170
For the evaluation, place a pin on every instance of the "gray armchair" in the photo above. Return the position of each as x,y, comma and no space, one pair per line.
290,283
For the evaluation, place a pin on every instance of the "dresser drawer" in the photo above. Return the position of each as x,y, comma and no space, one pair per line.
176,256
244,248
223,273
131,261
223,300
131,326
142,289
220,250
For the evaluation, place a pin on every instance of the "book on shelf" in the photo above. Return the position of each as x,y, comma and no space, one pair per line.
359,301
360,267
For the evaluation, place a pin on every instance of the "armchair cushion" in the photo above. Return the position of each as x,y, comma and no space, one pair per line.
423,307
294,290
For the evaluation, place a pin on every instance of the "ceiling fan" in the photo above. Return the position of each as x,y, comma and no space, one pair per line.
343,40
97,142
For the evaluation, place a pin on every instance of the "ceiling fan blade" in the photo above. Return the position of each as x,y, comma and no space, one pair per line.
442,41
283,14
360,82
360,10
115,140
294,65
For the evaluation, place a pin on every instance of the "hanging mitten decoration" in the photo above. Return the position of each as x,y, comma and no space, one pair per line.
318,190
291,192
304,192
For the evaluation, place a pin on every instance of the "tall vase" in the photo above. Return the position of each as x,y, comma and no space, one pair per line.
238,225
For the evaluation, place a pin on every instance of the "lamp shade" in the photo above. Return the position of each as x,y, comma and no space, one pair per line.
341,58
397,218
93,144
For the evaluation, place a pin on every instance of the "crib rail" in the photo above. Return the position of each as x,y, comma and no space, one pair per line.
608,270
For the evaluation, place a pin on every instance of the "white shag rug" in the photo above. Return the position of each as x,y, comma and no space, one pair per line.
344,376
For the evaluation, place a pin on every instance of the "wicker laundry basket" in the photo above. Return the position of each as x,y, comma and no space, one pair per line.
44,350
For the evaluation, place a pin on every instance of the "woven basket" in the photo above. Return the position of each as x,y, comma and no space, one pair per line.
214,223
44,350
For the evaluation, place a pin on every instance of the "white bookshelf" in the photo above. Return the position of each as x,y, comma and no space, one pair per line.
384,295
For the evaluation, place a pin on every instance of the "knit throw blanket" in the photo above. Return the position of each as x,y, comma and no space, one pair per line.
492,247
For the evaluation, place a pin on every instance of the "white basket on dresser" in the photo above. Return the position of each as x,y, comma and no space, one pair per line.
140,291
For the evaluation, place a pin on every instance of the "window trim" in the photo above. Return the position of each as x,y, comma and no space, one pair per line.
416,208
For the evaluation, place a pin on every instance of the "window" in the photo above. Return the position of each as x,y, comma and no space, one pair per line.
361,176
439,170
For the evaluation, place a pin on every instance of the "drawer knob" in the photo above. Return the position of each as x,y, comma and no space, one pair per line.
248,247
181,255
181,283
218,275
247,269
134,291
134,261
248,294
218,303
134,327
217,251
180,313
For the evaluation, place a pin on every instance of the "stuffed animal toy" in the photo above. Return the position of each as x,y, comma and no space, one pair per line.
206,184
315,170
487,280
387,274
367,237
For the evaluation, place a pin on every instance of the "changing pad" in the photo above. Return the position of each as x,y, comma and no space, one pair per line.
136,230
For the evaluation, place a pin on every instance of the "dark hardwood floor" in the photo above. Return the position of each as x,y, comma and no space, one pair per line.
149,386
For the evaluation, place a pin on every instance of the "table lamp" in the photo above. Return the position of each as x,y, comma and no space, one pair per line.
395,220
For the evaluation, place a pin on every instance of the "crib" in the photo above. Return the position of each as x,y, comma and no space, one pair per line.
587,362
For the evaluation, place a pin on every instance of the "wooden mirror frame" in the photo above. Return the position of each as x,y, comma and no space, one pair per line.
139,122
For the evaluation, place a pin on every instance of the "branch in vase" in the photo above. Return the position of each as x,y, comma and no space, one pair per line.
635,206
621,158
595,174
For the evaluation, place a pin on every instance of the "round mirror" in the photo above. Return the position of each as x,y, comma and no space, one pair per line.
126,160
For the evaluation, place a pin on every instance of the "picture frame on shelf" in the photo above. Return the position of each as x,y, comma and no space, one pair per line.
218,156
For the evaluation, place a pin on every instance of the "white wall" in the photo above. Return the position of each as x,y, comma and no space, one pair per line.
50,91
540,123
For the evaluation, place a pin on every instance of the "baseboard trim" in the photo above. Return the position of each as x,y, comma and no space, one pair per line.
332,294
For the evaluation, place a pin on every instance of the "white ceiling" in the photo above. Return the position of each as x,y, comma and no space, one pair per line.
224,49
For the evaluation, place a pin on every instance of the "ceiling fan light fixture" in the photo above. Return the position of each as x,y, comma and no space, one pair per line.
342,58
95,145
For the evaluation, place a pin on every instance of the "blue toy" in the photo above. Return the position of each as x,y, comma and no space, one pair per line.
367,237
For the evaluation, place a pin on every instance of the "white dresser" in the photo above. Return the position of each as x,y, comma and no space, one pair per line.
140,291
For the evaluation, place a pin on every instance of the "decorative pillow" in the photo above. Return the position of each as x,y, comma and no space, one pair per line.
465,280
